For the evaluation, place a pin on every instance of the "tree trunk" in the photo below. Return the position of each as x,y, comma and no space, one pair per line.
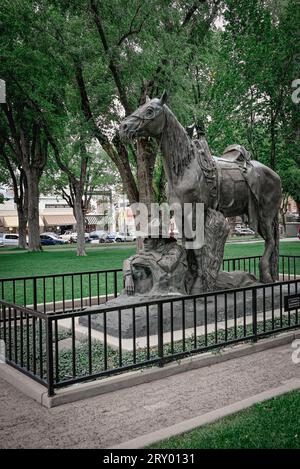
284,224
273,146
34,242
22,219
121,160
22,206
146,155
80,222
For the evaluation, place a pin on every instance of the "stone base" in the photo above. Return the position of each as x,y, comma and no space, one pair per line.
235,279
238,305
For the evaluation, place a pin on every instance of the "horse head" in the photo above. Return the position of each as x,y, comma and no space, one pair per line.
147,121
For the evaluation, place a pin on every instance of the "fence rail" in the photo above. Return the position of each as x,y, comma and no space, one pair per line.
58,349
75,290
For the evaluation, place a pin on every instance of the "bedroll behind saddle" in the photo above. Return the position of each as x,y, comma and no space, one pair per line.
236,154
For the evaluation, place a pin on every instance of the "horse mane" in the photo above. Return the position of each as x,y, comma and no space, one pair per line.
178,144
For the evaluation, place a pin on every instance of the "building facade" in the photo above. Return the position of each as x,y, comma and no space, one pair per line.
109,213
55,214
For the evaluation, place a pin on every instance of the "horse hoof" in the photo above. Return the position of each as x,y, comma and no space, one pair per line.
266,279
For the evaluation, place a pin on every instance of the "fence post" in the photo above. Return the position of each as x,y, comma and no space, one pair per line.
49,351
34,294
160,337
254,314
115,284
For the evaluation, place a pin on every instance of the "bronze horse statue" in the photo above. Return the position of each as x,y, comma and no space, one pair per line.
232,184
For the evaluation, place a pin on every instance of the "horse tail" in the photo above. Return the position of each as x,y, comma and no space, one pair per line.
275,254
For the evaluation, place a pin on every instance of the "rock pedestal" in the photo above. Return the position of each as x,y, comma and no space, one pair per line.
207,261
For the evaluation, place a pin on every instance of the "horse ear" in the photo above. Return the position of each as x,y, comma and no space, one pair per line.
147,99
164,98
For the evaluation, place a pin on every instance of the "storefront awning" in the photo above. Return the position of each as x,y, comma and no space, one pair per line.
13,222
59,220
93,219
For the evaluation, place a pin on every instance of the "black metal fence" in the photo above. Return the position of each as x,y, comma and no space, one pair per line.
289,266
62,348
51,335
71,291
61,292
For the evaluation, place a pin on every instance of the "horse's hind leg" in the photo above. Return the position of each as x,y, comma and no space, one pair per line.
265,229
275,254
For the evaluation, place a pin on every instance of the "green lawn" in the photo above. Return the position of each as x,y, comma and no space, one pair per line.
52,261
55,261
271,424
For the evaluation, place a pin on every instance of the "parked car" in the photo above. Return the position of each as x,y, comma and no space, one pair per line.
122,237
73,237
50,233
9,239
98,236
67,236
50,240
244,232
110,238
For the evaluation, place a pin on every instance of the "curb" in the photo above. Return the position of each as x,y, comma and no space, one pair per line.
86,390
210,417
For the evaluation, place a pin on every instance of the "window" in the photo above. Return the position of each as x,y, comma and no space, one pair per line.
57,206
12,237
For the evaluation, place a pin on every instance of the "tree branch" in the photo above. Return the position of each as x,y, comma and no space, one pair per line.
112,65
191,11
67,198
11,172
132,30
11,123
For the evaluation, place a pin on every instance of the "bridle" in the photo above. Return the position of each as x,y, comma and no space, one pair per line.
144,119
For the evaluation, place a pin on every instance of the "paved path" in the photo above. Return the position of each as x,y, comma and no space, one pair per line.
110,419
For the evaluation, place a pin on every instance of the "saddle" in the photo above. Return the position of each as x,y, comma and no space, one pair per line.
236,156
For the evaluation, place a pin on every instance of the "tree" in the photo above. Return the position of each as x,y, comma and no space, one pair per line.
16,178
124,54
251,82
28,78
26,142
79,170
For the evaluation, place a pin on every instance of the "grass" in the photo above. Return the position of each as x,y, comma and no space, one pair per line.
53,261
273,424
59,261
18,264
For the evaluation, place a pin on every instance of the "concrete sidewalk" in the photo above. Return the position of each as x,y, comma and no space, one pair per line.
110,419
